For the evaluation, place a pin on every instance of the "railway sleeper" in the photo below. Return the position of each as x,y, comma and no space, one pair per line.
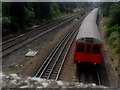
44,76
59,66
54,73
53,77
47,71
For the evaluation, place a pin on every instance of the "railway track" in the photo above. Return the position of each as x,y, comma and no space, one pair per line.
53,64
16,43
36,28
88,73
98,76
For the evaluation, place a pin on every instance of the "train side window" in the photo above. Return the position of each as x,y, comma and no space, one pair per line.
88,48
80,47
96,49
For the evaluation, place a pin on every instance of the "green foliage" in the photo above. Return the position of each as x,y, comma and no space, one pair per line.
6,22
54,10
112,29
105,8
17,16
79,10
113,37
113,40
114,14
29,14
112,11
112,24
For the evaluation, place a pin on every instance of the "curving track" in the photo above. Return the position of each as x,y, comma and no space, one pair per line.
52,66
17,42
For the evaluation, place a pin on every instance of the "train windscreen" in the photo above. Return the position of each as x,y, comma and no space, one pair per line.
88,48
80,47
96,49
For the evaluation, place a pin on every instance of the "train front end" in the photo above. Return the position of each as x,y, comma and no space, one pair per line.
88,50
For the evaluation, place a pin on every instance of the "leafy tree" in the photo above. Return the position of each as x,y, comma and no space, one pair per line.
55,10
105,8
29,13
114,14
17,16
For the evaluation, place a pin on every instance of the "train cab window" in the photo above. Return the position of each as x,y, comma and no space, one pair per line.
80,47
96,49
88,48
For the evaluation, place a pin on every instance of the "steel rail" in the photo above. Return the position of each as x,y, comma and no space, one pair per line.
99,81
53,52
51,58
64,58
35,37
61,53
23,35
43,25
58,58
51,55
71,34
47,62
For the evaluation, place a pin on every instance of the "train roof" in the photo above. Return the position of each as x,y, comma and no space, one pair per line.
89,28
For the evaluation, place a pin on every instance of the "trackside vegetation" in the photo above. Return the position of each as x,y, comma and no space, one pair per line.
111,14
18,16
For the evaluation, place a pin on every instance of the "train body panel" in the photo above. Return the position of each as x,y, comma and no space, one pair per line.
88,46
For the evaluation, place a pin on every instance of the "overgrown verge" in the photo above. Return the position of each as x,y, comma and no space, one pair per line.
111,13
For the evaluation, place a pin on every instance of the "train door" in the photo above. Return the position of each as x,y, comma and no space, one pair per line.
88,52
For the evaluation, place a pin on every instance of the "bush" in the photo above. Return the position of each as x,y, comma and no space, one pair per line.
79,10
112,29
54,10
113,40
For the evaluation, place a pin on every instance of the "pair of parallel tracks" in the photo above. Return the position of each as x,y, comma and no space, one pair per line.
52,66
18,42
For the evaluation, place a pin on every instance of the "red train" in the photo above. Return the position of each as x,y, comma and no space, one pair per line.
88,46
